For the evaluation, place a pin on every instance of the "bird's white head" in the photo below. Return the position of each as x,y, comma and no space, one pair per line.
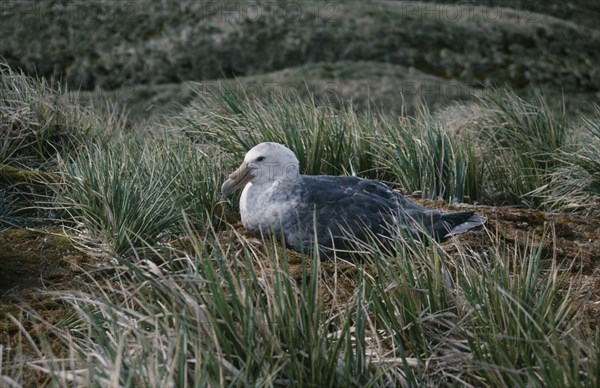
264,163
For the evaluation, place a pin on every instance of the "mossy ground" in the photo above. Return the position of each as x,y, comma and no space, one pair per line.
34,262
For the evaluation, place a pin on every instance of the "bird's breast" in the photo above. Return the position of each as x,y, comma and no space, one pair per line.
265,208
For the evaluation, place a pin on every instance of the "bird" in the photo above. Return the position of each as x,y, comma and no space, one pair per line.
335,214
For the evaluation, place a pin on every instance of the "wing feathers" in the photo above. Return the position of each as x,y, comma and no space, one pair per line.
364,208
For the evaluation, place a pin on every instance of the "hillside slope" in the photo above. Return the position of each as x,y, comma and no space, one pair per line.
114,44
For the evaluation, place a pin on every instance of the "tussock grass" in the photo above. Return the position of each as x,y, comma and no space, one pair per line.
222,316
206,318
527,153
415,154
118,191
527,125
223,310
589,157
575,185
38,121
523,315
422,156
325,140
132,191
522,138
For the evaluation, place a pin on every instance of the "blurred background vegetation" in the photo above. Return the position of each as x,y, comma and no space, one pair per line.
147,55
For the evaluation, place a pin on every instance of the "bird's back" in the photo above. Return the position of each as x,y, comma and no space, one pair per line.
341,210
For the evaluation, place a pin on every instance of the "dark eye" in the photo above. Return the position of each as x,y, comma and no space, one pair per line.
260,158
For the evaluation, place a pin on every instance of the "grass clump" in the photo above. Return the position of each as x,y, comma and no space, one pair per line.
422,156
119,192
522,139
225,316
325,140
209,317
522,314
38,121
534,157
415,154
588,159
132,191
575,185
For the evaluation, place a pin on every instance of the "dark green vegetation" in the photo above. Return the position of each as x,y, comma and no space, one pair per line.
121,266
148,42
111,45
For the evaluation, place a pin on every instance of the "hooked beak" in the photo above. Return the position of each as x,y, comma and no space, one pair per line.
237,180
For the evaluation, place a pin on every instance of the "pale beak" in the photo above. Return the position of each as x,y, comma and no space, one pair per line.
237,180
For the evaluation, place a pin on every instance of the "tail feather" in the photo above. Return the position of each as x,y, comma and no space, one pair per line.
461,222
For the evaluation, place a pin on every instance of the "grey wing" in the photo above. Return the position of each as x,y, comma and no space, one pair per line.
340,211
347,209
